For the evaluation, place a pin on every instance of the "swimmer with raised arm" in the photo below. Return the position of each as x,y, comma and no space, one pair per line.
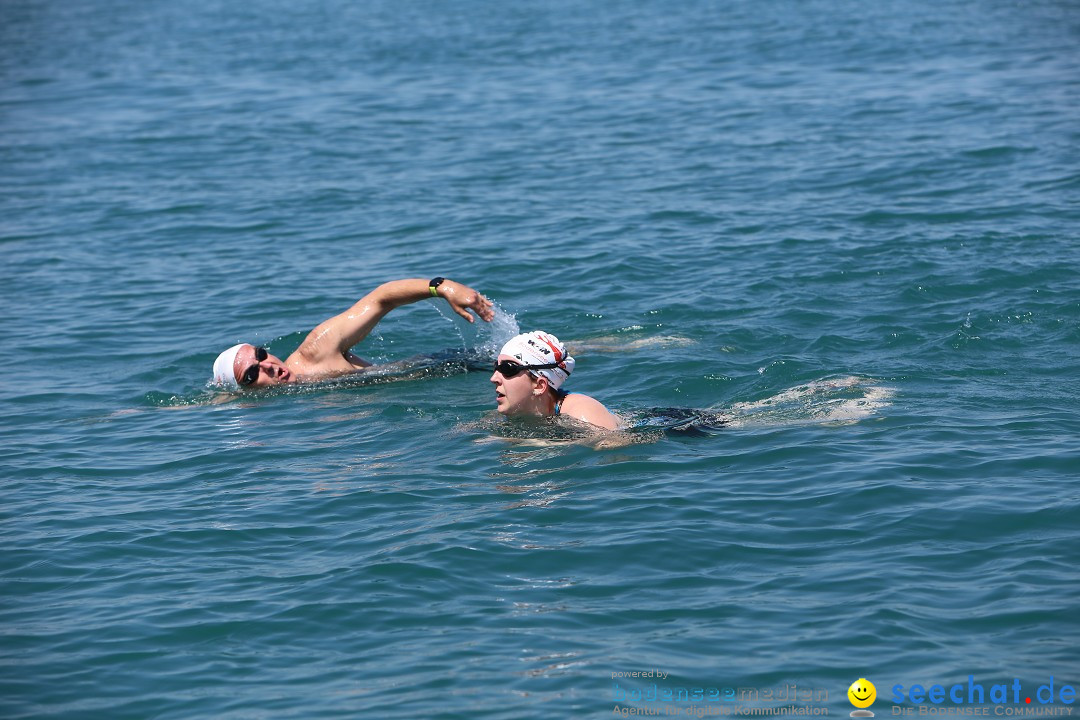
529,373
327,350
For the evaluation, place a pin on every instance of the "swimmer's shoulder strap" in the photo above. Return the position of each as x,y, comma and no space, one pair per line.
560,396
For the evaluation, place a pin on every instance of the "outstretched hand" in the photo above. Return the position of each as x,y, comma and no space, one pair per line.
463,298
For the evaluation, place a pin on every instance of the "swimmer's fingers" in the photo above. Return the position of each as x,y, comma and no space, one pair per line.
462,298
484,308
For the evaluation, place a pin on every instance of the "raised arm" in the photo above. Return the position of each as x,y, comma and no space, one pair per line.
331,339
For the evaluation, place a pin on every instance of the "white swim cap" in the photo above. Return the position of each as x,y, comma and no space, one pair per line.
223,367
540,348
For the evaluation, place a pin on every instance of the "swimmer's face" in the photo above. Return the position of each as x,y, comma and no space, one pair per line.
266,372
514,395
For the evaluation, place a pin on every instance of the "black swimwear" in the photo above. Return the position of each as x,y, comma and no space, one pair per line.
681,420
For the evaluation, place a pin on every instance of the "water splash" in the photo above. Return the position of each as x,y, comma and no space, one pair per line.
501,328
479,337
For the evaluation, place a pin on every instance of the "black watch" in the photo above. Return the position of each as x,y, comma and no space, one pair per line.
433,284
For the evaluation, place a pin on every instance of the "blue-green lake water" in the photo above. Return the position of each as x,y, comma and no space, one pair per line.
850,229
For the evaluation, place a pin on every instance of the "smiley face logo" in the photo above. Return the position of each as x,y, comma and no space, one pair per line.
862,693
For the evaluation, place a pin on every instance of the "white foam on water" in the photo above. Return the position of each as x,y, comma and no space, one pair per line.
816,402
616,343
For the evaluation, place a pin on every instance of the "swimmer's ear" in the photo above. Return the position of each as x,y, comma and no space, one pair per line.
540,385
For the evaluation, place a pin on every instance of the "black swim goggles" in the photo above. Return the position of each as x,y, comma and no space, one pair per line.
509,368
252,373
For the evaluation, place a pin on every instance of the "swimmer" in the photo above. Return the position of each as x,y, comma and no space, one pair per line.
528,375
327,350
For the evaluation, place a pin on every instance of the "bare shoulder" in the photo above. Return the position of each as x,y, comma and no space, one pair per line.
301,365
589,409
325,346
